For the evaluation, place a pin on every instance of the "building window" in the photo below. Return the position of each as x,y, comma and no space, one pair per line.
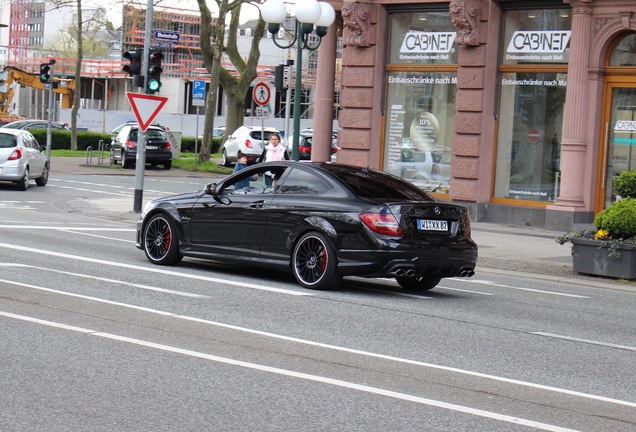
532,88
420,99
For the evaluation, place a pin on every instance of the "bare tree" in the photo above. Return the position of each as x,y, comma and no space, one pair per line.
78,62
213,45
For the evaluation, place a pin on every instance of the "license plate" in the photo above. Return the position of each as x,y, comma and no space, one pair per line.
432,225
152,147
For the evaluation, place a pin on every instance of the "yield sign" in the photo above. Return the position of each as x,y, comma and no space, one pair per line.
146,107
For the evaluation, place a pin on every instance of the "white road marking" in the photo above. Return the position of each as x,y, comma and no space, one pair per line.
156,270
309,377
339,348
113,281
587,341
489,283
74,231
65,228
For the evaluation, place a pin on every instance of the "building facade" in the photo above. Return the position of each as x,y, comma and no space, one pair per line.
523,111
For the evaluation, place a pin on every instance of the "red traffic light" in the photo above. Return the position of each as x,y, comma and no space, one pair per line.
134,66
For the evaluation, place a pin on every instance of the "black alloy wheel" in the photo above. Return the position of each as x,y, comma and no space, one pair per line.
418,283
161,243
314,262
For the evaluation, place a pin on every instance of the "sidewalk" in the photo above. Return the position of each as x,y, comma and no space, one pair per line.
502,248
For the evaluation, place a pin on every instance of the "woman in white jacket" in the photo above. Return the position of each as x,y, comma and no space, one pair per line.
273,151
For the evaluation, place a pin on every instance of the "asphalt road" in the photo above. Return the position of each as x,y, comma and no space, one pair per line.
94,337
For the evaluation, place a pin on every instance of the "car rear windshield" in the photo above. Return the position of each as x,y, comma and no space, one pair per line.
375,184
256,134
7,141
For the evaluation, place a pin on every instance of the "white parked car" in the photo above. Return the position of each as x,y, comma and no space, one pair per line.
22,158
250,140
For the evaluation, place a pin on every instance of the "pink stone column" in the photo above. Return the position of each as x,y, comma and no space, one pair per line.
325,84
575,119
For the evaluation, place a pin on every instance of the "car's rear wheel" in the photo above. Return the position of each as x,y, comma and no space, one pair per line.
23,183
44,178
224,160
314,262
418,283
124,162
161,243
167,165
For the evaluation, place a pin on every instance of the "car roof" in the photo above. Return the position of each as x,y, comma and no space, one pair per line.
11,131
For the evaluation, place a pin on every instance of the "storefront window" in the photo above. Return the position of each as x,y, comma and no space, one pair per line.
624,54
422,38
532,87
529,137
537,36
420,101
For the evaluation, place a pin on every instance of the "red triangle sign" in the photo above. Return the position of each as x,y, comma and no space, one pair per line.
146,107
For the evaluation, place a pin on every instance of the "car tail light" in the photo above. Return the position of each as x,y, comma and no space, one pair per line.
16,154
304,149
382,223
248,144
131,144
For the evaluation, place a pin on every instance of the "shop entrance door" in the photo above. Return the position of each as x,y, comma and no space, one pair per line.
619,139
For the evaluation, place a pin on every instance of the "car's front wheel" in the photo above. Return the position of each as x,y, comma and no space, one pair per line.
418,283
314,262
161,243
44,178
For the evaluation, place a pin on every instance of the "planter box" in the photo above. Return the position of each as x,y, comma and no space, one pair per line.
593,257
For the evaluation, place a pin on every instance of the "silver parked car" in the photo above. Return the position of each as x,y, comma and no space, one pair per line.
249,140
22,158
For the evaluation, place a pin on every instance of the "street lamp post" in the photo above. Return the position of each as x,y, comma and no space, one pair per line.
309,13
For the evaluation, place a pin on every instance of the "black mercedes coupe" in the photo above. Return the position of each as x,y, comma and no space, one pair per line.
320,220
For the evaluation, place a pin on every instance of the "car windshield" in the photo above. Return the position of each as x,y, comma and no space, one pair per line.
256,134
374,184
7,141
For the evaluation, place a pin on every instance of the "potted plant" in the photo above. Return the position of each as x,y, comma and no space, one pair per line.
610,249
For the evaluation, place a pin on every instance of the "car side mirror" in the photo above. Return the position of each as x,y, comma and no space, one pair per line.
210,189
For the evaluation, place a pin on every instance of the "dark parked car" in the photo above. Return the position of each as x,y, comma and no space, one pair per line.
321,221
307,138
123,147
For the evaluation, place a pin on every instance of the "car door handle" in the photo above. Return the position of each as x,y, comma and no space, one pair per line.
257,204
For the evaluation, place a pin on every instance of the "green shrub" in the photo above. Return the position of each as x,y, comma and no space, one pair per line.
618,219
625,184
187,144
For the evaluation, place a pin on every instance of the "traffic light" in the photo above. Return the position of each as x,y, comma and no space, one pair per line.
134,59
153,81
45,72
279,77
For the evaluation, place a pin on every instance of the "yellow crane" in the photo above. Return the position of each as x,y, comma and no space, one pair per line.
12,76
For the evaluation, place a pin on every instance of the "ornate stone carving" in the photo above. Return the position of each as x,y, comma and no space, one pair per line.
355,17
599,23
465,17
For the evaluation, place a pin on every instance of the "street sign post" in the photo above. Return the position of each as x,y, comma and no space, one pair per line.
146,107
261,94
198,100
198,93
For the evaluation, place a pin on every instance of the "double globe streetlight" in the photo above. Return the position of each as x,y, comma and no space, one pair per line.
309,14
